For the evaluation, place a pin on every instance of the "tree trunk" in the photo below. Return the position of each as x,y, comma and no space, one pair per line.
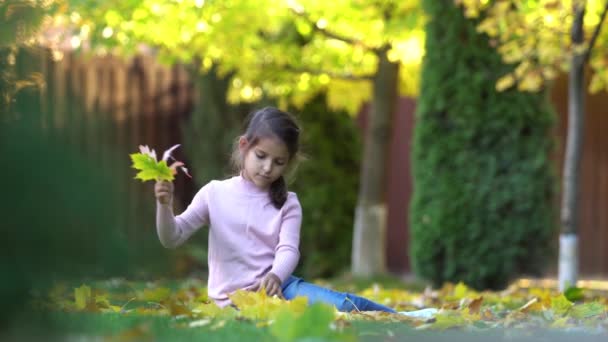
568,252
368,253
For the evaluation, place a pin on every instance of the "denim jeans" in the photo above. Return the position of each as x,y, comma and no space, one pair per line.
296,287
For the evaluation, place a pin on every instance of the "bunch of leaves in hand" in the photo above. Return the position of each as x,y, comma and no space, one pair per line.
151,169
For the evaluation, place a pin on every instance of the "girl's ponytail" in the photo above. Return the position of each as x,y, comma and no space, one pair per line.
278,192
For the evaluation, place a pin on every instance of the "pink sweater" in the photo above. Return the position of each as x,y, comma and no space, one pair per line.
248,236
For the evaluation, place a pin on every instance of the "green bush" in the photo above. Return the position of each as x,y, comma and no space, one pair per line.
482,210
327,185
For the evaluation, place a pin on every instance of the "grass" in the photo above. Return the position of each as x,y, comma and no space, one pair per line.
87,326
62,326
116,327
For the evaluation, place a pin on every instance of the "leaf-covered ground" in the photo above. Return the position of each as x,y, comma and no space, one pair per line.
131,311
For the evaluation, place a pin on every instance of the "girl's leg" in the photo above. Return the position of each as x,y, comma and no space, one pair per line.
296,287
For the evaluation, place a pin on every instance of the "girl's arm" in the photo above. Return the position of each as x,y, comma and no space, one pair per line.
173,231
168,234
287,252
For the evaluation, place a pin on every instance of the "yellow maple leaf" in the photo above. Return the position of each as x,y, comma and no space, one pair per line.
213,311
505,82
531,82
560,304
82,296
259,306
155,295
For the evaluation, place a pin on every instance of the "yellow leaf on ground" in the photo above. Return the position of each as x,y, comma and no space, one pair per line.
587,310
475,305
560,304
155,295
214,311
82,296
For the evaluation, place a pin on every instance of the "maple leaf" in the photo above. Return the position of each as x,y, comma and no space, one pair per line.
82,296
315,323
85,299
151,169
158,294
475,305
259,306
587,310
560,305
213,311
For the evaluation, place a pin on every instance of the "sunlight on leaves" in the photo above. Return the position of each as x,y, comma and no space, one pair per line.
539,33
460,308
560,305
213,311
259,306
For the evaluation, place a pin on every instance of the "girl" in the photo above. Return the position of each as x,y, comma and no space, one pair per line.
254,221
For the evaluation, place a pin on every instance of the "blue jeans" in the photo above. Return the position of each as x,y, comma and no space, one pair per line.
296,287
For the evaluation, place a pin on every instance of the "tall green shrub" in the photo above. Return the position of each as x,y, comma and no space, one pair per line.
482,210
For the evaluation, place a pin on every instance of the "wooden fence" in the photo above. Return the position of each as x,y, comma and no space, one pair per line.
107,106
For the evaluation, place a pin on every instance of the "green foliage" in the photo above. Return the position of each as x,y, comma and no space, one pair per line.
182,312
20,21
150,169
536,36
327,185
61,217
7,81
64,212
574,294
283,50
482,210
312,324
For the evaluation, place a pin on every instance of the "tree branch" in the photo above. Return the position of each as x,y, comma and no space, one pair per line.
348,40
349,77
596,33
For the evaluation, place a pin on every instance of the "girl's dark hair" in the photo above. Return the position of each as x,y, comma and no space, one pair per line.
270,122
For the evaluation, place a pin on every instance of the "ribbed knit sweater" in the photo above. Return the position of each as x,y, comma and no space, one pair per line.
248,235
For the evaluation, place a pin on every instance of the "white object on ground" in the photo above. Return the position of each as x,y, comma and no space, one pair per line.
421,314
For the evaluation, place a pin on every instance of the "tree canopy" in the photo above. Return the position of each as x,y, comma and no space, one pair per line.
282,49
535,35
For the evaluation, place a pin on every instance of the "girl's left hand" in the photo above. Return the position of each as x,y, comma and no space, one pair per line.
272,284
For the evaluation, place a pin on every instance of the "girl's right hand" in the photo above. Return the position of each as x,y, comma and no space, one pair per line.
163,190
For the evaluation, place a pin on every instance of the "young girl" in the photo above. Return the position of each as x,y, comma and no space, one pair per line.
254,221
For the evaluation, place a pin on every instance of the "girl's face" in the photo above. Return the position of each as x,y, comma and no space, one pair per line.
264,162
